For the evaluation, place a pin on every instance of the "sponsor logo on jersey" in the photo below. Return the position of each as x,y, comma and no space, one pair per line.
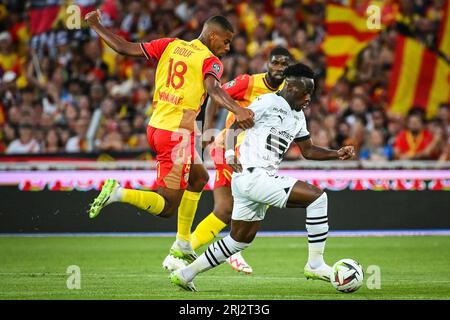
286,135
281,134
279,110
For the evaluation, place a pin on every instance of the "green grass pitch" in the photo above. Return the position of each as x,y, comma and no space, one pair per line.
130,268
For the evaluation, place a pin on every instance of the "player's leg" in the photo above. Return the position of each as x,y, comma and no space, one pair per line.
210,226
242,234
181,252
316,203
162,203
111,192
198,178
170,180
246,216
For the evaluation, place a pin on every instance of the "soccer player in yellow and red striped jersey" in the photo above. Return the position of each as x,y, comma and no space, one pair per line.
244,89
186,72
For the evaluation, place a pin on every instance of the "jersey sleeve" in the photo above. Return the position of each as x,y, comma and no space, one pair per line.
154,49
212,66
237,87
303,134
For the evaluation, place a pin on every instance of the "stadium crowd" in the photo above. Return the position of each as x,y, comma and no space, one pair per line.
52,83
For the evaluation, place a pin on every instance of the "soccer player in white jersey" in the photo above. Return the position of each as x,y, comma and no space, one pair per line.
279,120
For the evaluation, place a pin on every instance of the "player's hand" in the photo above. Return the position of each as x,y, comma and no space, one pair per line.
244,118
93,17
234,163
346,152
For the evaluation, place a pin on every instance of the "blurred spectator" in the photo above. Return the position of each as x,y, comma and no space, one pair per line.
321,138
52,143
112,140
379,121
357,134
444,116
357,109
137,22
377,149
414,141
9,59
77,142
69,74
26,143
439,142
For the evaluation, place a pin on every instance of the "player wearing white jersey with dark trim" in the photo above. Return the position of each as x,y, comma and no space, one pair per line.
279,120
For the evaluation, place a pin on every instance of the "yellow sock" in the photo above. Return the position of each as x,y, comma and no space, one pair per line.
206,230
147,200
186,214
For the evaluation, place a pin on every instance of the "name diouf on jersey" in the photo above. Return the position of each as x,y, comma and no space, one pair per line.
282,134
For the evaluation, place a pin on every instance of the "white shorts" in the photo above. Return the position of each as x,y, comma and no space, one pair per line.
254,192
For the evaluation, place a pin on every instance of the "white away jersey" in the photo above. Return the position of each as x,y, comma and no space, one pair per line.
276,126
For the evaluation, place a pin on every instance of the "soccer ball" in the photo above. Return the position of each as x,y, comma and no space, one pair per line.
347,275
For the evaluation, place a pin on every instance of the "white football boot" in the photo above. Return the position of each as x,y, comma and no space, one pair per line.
180,255
321,273
238,263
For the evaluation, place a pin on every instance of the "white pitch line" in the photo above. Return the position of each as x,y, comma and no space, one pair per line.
335,233
232,277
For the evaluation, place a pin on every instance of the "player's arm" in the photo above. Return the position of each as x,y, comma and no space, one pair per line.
244,117
210,113
236,88
117,43
230,145
313,152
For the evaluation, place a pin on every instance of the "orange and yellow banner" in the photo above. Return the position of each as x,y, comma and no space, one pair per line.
347,34
419,78
444,31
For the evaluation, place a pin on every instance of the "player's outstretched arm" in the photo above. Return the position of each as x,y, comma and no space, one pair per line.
230,145
244,117
117,43
312,152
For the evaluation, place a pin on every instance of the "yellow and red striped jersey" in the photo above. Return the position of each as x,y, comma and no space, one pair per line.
179,87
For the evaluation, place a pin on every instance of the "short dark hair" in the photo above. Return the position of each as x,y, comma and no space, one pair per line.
280,51
299,70
417,111
222,22
304,74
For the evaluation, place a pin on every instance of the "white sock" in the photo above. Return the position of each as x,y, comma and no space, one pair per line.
214,255
317,227
183,245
